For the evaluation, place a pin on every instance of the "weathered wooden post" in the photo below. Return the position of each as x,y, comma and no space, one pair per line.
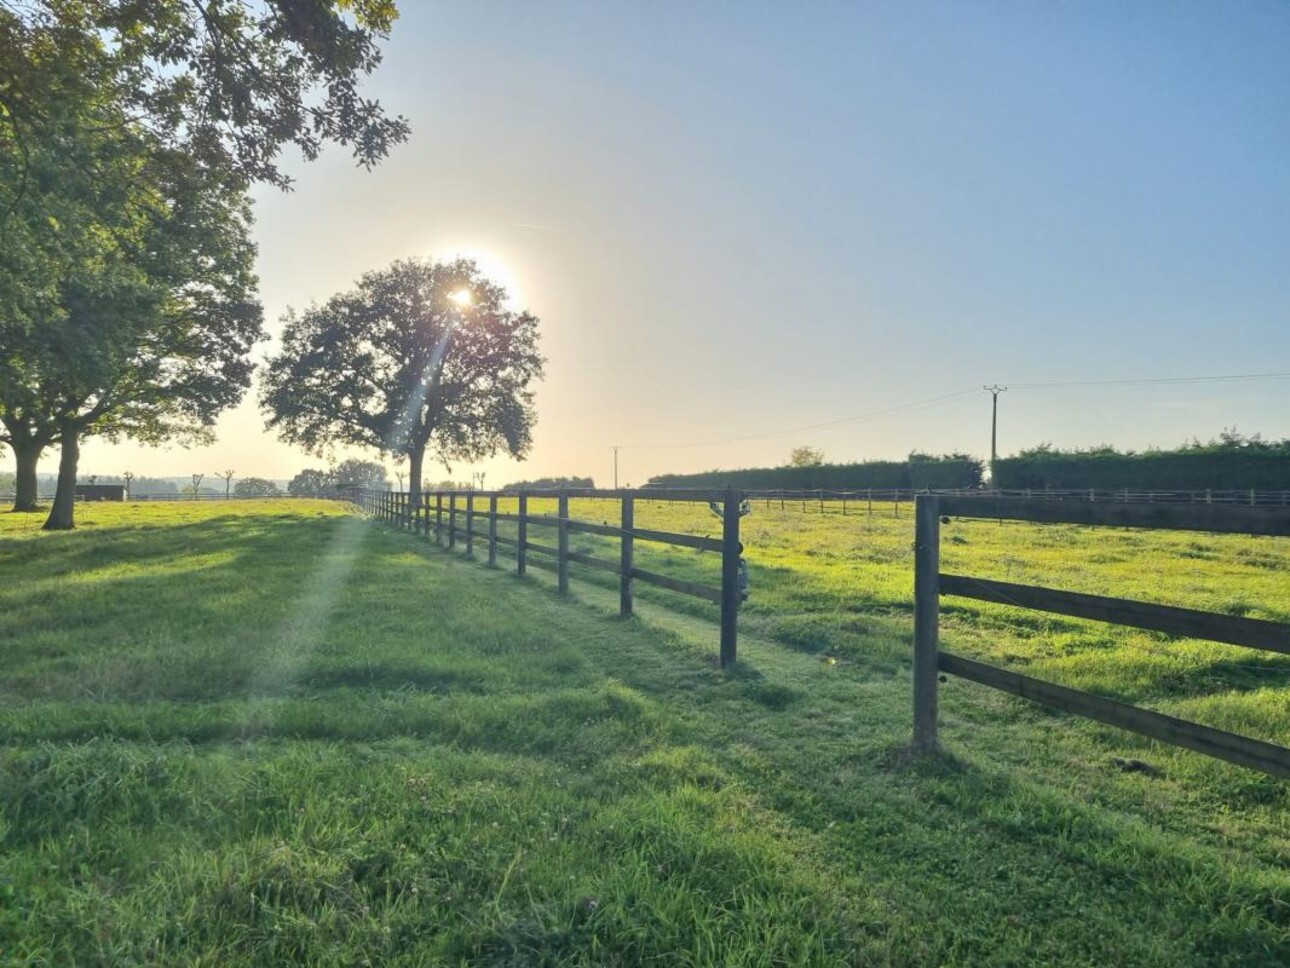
626,557
521,548
730,549
492,531
470,524
452,520
438,517
562,557
927,612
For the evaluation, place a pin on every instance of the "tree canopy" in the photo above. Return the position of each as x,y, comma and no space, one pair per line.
255,487
150,338
806,457
419,356
228,82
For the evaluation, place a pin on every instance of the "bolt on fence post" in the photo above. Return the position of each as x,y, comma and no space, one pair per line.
927,610
626,563
452,520
730,549
521,549
562,557
492,531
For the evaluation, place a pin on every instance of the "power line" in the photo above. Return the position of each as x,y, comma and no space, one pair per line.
1228,378
959,394
900,408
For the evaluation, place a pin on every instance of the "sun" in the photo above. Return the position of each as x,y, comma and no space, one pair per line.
493,265
464,298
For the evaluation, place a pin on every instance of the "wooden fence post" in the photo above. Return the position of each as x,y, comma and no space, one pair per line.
521,549
438,517
730,549
471,515
492,531
927,611
626,558
562,558
452,520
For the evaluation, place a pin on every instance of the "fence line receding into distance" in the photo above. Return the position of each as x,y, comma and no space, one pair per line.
452,515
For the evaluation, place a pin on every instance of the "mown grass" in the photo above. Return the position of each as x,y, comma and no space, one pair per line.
275,732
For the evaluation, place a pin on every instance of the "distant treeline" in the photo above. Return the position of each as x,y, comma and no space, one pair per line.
1231,463
953,471
549,483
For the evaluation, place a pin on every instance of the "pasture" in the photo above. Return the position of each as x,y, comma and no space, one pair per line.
262,731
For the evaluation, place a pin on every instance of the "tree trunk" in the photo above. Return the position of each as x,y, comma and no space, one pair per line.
62,516
27,455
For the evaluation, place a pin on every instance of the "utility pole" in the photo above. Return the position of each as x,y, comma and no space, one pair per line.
994,392
614,448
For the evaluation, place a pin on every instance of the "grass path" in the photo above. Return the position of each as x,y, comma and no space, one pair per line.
270,732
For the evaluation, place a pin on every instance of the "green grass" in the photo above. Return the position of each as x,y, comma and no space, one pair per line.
271,732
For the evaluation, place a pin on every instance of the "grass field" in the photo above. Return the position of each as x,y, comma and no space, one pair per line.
260,732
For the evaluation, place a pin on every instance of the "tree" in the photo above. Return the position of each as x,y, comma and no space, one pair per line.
256,487
806,457
354,473
311,483
228,481
98,99
419,356
549,483
153,337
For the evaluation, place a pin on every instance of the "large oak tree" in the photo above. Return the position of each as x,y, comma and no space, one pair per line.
419,357
224,86
152,339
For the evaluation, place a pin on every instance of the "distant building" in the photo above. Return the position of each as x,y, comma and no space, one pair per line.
100,492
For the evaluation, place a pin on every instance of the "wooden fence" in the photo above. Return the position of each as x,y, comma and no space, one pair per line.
930,585
889,500
450,516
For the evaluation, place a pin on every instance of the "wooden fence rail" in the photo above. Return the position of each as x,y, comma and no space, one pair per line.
930,584
861,501
436,514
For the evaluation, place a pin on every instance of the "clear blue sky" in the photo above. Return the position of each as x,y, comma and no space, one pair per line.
738,218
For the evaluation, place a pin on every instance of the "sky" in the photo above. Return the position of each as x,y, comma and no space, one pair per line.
740,220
